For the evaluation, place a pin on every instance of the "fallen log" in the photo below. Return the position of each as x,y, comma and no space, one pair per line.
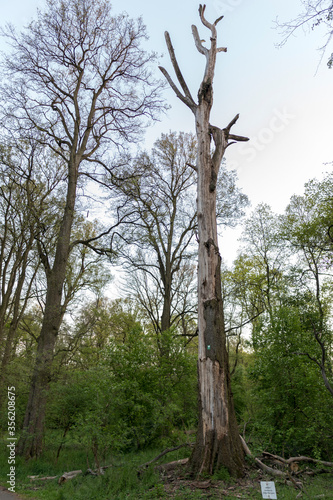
290,460
264,467
37,478
69,475
168,450
172,465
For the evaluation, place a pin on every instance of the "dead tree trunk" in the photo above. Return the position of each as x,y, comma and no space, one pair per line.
218,443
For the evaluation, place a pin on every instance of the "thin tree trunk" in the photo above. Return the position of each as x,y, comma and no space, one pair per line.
166,313
17,312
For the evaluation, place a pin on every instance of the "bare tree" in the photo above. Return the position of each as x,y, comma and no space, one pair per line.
158,234
315,13
218,443
159,227
77,77
24,211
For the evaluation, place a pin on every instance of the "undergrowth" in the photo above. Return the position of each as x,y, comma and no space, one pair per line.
122,481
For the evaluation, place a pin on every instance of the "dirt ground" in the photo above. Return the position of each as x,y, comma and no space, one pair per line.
8,495
213,488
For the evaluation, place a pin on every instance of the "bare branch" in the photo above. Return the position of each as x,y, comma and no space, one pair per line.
168,450
178,72
269,470
203,50
290,460
204,21
174,87
232,123
244,323
218,20
232,137
238,138
192,166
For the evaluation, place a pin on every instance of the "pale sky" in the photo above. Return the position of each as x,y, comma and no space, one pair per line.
285,104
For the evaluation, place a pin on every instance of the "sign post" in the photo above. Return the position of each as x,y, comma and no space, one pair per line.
268,490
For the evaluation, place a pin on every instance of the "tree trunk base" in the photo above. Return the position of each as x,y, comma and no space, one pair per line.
217,452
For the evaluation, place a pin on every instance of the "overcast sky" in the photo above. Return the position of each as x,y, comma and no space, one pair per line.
283,98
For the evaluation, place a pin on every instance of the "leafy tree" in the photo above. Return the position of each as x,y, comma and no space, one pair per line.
131,396
293,415
286,271
95,324
78,80
266,253
307,226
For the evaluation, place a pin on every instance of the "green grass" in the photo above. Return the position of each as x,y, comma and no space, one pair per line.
119,482
122,482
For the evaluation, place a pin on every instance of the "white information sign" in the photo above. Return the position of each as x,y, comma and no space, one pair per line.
268,490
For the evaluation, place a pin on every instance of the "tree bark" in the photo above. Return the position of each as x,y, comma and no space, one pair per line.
31,441
166,312
218,443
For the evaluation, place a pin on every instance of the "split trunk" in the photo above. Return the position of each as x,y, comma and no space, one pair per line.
218,442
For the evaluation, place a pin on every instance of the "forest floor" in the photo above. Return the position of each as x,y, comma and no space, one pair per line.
176,486
127,479
245,488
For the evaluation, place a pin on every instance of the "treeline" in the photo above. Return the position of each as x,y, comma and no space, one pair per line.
124,370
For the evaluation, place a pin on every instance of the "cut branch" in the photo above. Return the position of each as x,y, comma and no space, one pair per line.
69,475
172,465
288,462
238,138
